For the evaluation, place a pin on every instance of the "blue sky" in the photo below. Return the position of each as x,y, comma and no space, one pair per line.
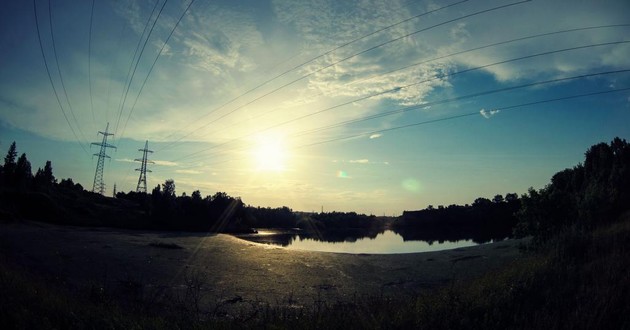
271,100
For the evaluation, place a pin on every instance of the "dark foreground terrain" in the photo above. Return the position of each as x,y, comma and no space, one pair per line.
69,277
159,264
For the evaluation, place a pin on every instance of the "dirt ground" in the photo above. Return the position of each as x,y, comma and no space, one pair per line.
228,269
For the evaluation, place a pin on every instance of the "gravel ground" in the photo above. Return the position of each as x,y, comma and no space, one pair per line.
227,269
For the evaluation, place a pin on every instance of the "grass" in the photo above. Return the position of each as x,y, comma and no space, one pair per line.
576,281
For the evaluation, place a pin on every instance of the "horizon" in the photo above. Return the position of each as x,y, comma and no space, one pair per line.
374,107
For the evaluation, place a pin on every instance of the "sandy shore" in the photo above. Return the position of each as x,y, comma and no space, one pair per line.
231,269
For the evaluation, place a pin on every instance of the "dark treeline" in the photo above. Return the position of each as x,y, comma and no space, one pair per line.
165,210
580,198
482,221
41,197
584,196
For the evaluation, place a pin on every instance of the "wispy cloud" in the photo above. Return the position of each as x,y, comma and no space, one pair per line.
188,172
376,136
165,163
360,161
487,114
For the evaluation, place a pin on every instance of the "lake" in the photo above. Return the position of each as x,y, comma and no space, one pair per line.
387,242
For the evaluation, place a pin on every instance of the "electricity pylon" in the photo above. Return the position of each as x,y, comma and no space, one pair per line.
98,185
142,180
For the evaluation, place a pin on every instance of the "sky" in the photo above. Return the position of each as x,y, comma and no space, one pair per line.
370,106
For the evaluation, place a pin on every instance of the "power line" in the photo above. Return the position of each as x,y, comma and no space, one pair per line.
433,121
41,47
435,59
111,70
470,114
488,46
458,98
363,52
63,86
90,63
409,85
131,64
138,62
153,65
444,101
305,63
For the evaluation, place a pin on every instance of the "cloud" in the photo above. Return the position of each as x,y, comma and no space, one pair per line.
125,160
376,136
324,25
359,161
188,172
474,34
165,163
487,114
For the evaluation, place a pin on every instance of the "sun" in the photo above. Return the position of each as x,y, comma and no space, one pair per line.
270,154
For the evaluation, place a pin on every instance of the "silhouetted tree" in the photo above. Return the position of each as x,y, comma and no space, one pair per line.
583,196
8,170
68,184
44,177
168,188
23,174
511,197
498,199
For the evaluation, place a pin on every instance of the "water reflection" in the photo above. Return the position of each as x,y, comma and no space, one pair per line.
384,242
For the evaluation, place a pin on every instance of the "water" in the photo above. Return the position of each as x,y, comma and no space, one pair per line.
387,242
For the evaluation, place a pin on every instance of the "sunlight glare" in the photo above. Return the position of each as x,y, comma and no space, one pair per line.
270,154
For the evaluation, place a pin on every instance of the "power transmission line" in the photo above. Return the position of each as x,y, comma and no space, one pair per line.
63,85
90,63
521,105
41,47
133,60
428,61
406,86
469,114
361,53
310,61
469,96
153,65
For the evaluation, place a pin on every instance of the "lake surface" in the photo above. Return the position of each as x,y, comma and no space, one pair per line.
387,242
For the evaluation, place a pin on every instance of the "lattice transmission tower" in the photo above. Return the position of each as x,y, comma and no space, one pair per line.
142,180
99,185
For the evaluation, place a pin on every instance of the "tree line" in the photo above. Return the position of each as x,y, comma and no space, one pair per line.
483,220
585,196
588,195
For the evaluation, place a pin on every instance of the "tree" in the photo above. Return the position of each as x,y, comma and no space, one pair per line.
23,174
511,197
8,169
168,188
498,199
481,202
44,177
9,159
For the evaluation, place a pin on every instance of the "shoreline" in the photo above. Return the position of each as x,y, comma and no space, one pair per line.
232,269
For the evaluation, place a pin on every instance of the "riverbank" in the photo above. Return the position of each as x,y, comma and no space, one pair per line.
227,269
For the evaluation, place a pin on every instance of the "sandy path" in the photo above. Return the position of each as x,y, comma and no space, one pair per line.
233,269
